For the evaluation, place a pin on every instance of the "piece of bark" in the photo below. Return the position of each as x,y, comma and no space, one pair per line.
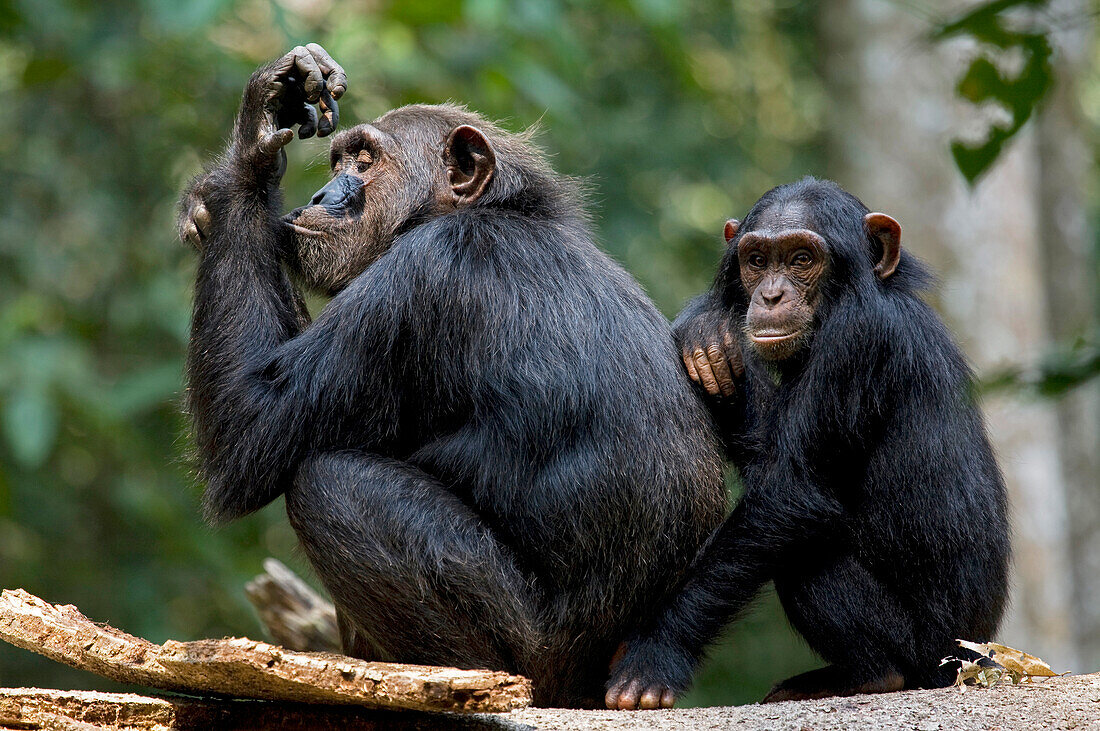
294,615
63,634
249,669
81,710
252,669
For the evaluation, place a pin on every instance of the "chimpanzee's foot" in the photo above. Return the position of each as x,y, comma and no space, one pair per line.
833,680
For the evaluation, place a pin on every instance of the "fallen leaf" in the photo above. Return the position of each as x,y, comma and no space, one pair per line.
1017,662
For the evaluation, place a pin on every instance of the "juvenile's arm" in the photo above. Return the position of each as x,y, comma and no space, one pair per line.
781,509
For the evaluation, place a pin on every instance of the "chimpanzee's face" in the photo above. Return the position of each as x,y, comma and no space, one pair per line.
352,220
406,166
782,262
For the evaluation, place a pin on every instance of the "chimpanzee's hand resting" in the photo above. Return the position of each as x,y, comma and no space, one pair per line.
711,353
194,221
281,95
650,674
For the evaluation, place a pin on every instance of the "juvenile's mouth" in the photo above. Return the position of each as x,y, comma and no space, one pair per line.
769,337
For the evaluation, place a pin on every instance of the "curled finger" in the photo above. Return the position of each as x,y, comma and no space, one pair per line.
313,79
733,353
628,697
689,365
335,77
706,374
651,698
200,216
308,125
330,113
721,370
277,140
192,236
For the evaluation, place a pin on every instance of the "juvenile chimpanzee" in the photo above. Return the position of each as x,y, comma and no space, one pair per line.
871,495
476,478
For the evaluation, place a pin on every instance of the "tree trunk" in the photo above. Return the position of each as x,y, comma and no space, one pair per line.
894,112
1070,270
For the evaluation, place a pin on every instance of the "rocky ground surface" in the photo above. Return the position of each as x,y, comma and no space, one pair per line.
1070,702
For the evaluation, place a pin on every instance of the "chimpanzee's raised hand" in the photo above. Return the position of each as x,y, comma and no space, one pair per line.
710,351
277,97
281,95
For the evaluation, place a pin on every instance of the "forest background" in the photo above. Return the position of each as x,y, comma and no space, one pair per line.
678,114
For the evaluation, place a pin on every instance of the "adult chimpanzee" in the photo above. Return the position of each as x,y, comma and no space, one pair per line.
871,496
476,478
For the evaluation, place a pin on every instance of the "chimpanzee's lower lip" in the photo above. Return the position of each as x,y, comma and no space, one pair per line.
766,337
303,230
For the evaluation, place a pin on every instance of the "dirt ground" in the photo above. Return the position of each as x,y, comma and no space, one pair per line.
1071,702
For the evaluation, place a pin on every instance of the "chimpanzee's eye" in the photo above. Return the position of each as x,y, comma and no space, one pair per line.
802,259
363,161
756,261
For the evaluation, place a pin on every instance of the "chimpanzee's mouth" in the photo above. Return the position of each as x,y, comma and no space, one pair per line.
769,337
302,230
291,218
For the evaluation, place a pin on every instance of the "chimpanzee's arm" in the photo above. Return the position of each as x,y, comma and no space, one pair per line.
780,510
247,427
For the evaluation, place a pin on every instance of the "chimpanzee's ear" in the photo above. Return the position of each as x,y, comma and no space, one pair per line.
470,163
887,232
731,229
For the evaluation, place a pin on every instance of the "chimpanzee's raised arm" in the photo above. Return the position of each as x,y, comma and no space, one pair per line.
245,305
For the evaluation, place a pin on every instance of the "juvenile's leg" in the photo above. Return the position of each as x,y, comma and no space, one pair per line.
416,575
849,618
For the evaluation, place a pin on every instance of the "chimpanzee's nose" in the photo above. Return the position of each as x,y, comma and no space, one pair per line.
772,298
337,192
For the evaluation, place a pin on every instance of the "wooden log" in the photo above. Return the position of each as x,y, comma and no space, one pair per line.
63,634
82,710
294,615
249,669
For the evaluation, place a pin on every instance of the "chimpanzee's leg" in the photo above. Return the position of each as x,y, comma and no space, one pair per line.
849,618
416,575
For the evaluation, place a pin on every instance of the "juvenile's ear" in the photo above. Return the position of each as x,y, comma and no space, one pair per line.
470,163
887,232
731,229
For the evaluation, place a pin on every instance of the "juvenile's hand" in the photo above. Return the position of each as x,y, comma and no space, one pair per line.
711,354
647,675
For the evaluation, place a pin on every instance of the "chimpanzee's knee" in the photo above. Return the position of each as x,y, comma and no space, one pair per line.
416,575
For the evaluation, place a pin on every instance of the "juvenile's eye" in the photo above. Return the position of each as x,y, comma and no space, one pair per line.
802,259
756,261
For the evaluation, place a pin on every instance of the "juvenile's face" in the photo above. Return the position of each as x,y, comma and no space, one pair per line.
781,270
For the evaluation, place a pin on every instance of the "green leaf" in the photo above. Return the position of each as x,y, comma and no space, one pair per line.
983,81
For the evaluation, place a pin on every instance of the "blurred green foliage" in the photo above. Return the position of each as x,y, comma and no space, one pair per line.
678,114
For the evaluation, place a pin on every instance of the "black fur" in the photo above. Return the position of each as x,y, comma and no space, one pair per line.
872,498
488,449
